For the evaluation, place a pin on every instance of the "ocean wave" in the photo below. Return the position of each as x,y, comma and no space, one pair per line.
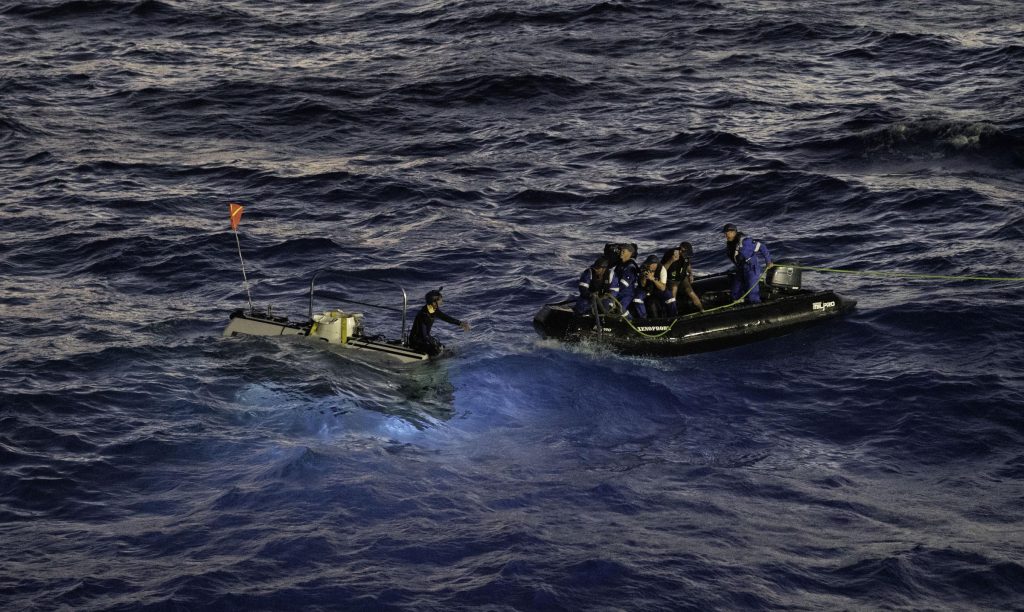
69,9
151,8
258,109
1001,57
492,89
906,575
489,20
153,11
775,32
13,131
926,139
687,146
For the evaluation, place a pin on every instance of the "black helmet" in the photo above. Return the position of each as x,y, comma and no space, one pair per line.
433,295
599,263
729,227
651,259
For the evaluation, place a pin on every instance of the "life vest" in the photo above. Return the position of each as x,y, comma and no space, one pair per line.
679,270
627,274
735,250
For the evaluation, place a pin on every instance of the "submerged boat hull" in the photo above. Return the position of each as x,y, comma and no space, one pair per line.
780,313
248,323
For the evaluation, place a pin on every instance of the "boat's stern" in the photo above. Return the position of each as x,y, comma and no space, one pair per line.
846,305
554,320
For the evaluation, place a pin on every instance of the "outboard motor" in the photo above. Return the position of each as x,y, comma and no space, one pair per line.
784,275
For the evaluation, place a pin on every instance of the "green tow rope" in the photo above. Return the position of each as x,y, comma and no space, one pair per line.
909,275
692,315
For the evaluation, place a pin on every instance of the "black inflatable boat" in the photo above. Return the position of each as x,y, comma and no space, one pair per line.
785,307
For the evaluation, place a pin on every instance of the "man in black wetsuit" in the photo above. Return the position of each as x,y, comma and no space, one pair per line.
420,338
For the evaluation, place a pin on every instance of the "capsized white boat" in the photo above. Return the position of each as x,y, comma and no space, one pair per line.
335,328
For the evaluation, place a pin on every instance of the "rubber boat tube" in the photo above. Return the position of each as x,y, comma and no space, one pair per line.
785,308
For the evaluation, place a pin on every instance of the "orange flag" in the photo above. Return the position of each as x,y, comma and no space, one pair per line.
236,214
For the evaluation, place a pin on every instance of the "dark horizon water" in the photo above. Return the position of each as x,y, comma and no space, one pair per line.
146,463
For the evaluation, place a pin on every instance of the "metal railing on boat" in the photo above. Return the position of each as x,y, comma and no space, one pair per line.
402,310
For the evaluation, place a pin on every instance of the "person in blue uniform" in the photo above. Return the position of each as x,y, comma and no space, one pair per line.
751,258
419,338
627,273
593,282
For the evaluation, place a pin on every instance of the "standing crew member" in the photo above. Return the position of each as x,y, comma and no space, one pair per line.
750,257
420,338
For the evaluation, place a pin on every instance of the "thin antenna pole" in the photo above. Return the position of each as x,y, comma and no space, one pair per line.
245,280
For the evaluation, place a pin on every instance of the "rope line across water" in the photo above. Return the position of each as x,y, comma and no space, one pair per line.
816,269
912,275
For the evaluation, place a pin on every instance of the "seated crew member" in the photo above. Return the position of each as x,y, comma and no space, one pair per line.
593,283
613,254
420,338
750,257
651,288
625,291
681,275
667,284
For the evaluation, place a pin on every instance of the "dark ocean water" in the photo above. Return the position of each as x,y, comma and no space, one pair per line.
146,463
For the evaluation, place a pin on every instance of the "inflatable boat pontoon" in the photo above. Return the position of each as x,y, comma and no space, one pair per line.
785,307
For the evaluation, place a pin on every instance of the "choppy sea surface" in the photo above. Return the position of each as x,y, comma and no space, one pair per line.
146,463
